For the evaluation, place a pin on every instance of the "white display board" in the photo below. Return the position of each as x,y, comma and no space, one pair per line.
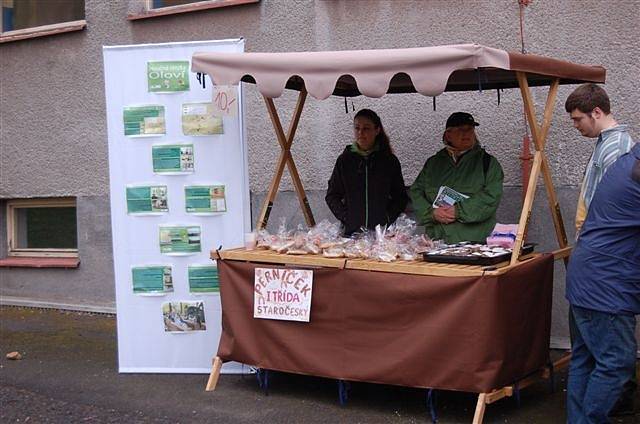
220,159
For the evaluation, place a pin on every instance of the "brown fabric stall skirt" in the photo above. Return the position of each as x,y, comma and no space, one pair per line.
472,334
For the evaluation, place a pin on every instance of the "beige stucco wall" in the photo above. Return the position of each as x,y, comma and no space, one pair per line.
52,110
53,137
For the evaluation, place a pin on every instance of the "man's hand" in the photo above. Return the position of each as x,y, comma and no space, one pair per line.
445,214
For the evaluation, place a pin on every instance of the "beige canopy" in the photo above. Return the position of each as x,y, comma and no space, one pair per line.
426,70
373,73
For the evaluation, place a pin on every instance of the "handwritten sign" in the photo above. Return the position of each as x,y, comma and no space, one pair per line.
283,294
225,100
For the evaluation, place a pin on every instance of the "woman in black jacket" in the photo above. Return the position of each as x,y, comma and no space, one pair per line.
366,187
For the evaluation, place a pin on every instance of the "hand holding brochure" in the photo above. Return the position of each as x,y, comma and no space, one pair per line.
448,197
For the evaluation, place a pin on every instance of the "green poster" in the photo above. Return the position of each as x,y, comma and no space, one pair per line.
198,119
205,198
172,158
168,77
151,279
146,199
179,240
203,279
142,121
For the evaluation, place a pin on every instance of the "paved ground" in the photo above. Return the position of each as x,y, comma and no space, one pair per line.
69,375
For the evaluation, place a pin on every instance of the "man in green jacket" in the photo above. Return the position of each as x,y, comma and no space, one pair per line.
464,166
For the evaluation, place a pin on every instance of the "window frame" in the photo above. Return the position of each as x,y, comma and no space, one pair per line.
12,227
150,12
42,31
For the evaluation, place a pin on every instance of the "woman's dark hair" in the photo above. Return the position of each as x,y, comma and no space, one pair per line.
381,139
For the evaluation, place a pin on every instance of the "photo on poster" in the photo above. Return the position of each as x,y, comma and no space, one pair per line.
172,158
146,200
179,240
203,279
168,76
205,198
144,121
183,316
198,119
151,279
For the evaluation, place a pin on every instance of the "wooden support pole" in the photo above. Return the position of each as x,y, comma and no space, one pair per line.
527,205
271,193
539,135
285,159
478,417
559,365
215,374
496,395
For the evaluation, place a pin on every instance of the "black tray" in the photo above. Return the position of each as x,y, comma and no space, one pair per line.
475,260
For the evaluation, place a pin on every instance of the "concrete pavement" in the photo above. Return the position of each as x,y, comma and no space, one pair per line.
69,374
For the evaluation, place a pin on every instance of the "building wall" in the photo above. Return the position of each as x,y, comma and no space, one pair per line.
53,140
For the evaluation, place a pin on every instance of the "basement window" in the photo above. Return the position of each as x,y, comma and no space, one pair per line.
42,228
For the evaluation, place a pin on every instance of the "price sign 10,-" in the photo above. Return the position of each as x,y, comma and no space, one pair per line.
225,100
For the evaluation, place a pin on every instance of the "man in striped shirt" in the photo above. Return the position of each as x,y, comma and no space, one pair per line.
590,110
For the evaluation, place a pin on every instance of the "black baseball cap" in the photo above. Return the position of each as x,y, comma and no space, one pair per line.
459,119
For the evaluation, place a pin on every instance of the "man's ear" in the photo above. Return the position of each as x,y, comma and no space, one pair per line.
597,113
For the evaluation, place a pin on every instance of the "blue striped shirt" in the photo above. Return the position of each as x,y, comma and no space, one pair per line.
612,143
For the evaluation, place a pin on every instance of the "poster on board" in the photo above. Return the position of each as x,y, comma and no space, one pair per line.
180,240
183,316
160,249
205,198
152,279
147,199
203,279
173,158
168,76
198,119
144,121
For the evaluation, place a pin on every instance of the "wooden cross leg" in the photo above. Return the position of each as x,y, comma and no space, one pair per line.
540,165
544,374
215,374
285,159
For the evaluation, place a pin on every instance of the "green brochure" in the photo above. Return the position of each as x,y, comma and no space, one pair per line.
179,240
203,279
140,121
173,158
147,199
151,279
168,77
205,198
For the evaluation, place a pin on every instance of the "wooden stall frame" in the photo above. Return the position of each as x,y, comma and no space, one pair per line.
539,134
540,166
285,158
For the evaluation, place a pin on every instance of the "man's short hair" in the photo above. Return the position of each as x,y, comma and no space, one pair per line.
588,97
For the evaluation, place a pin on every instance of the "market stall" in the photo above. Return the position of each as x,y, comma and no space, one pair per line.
459,327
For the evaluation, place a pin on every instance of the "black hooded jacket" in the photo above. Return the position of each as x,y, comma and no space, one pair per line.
365,191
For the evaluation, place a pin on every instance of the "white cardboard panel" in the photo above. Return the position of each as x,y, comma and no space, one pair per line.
143,345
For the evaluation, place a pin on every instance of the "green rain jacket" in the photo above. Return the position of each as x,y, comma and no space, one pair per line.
475,216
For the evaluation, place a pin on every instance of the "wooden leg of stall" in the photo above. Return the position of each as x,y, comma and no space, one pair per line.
215,374
285,159
485,399
480,407
539,134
